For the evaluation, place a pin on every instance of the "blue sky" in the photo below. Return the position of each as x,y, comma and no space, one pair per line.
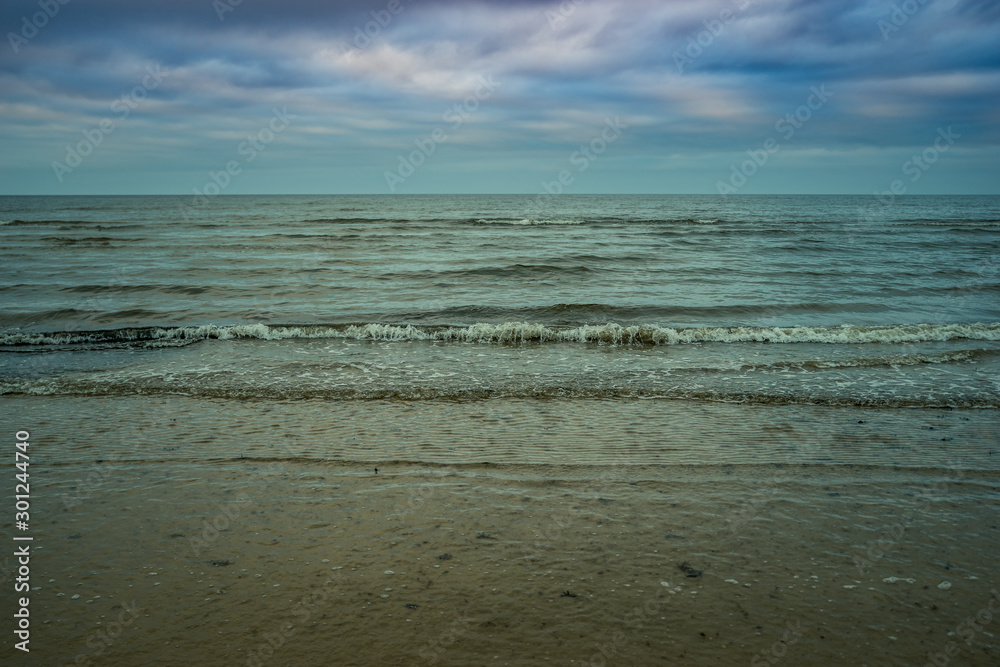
415,96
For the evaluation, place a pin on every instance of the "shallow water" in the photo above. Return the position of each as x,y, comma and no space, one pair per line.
509,531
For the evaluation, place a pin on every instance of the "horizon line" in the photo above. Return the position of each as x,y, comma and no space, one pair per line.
515,194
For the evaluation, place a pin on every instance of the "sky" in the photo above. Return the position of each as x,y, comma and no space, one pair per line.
499,96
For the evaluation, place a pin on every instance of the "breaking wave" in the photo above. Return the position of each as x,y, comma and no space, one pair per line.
522,332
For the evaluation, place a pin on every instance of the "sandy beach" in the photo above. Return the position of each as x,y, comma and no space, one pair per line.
196,537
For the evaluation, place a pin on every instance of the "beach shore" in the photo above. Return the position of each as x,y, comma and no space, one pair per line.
192,535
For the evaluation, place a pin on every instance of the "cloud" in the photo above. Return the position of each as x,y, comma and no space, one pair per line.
367,79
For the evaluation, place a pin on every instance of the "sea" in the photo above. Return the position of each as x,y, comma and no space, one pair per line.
765,390
814,300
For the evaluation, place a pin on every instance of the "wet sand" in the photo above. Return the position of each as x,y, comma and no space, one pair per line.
165,547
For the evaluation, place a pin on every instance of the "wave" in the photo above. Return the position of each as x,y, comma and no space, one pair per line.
955,224
476,221
527,221
349,221
198,385
495,271
523,332
736,224
74,225
19,223
890,360
613,220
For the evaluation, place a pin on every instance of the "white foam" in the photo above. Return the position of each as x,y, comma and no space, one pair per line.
521,332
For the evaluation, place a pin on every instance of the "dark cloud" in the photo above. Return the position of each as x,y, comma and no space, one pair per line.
700,82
